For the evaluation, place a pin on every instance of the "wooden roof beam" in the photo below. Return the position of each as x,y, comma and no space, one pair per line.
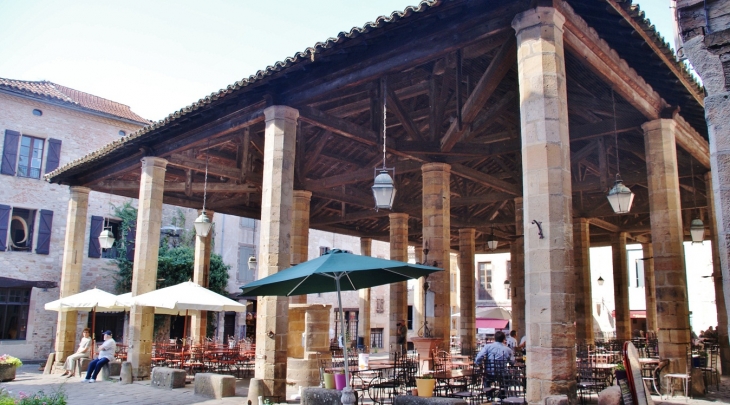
357,176
175,187
605,63
485,179
485,87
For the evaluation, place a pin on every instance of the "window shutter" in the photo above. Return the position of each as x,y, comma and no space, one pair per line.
45,225
94,247
131,237
10,153
4,223
54,155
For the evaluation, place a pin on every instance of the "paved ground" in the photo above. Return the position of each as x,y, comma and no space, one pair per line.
29,379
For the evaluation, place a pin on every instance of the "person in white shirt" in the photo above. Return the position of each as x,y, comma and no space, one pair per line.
512,340
82,352
106,354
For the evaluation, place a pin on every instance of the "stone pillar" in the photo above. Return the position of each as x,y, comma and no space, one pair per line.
549,285
649,286
201,276
517,279
583,292
277,205
364,304
437,237
717,110
667,236
621,286
467,296
73,255
144,272
418,297
300,235
722,325
398,291
308,342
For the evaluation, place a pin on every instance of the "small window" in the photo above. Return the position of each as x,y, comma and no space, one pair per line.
247,222
21,230
323,250
376,337
122,133
14,313
380,305
30,157
37,112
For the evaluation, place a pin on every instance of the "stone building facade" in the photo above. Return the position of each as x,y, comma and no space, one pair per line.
45,126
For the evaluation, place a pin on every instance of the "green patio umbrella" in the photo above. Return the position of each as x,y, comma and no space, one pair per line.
337,271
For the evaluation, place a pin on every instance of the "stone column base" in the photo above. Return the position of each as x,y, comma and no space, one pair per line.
302,372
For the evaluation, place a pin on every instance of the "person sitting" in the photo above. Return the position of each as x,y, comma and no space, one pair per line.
512,340
106,354
496,355
82,352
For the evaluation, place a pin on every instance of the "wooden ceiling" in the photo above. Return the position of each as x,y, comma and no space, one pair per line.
450,80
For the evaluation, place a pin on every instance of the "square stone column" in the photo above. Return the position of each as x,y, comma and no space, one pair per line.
277,206
398,291
621,286
722,325
549,278
467,296
73,254
144,272
517,278
437,237
300,235
201,276
667,236
583,292
649,286
364,305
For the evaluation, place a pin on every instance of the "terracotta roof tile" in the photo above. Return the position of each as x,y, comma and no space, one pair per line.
50,90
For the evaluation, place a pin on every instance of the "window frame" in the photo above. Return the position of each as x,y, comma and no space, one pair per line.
24,311
31,148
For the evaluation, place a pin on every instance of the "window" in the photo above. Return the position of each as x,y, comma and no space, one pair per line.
247,222
30,157
376,337
244,274
484,270
21,230
14,313
410,317
323,250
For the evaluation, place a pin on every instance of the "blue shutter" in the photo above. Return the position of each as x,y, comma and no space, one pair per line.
10,153
45,224
131,237
4,223
94,246
54,154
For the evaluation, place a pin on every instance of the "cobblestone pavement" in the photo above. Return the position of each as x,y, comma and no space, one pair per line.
30,380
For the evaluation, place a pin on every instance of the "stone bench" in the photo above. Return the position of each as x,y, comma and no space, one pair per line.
213,385
322,396
414,400
111,369
165,377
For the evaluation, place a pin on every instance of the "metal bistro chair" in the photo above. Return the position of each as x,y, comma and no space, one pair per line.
512,385
709,371
589,382
477,389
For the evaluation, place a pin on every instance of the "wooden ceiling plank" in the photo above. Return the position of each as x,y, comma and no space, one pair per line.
485,179
357,176
403,117
198,165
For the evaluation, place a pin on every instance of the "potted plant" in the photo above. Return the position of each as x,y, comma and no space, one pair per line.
8,364
340,380
425,385
329,381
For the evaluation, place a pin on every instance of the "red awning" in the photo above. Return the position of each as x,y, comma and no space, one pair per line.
635,314
492,323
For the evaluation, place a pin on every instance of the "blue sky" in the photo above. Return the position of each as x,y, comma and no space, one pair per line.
159,56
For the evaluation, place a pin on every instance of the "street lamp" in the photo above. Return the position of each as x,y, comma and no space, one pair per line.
383,188
600,280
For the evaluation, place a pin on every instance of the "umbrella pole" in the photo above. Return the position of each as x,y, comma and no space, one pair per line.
185,335
348,396
93,331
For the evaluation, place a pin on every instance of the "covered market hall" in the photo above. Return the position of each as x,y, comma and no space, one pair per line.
505,119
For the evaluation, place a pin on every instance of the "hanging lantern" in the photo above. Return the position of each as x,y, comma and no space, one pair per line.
600,280
506,283
383,190
492,243
252,263
106,238
620,197
202,225
697,230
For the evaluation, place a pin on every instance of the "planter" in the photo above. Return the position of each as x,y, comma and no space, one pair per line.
329,381
425,386
7,372
621,375
340,381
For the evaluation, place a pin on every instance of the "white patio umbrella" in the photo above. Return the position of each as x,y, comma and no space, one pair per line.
493,313
90,300
186,297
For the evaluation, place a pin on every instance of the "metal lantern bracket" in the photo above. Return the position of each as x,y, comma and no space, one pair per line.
539,228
